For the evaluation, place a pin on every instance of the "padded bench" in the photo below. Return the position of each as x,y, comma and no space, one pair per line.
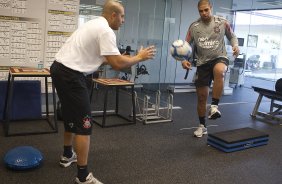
275,107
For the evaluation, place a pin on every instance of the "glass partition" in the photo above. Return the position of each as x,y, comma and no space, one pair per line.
156,22
147,22
258,23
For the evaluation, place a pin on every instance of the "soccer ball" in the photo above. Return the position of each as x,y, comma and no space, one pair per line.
180,50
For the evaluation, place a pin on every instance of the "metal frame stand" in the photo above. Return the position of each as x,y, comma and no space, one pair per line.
155,113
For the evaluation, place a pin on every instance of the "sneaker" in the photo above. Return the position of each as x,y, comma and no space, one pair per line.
201,130
65,162
89,180
214,112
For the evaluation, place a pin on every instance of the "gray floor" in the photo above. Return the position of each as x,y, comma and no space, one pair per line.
162,153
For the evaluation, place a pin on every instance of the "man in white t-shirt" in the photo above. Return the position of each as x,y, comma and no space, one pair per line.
90,46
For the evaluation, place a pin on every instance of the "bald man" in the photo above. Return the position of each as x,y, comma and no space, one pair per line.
90,46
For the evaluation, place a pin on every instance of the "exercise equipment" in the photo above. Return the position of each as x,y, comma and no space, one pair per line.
274,112
23,158
153,112
237,139
237,71
278,85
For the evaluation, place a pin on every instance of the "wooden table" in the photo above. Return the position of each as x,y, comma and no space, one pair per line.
116,83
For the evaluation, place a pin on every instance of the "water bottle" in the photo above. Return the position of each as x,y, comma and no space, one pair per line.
40,65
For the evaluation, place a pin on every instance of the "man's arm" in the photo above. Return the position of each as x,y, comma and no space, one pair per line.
119,62
187,64
232,38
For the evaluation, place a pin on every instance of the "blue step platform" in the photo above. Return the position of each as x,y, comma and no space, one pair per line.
237,139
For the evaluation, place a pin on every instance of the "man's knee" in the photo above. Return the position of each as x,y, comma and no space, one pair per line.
219,70
220,74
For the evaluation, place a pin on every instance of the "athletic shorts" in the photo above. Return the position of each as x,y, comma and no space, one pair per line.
73,91
204,74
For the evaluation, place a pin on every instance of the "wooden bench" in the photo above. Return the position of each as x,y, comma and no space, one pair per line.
275,107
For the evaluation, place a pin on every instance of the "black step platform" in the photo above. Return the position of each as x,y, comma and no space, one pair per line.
237,139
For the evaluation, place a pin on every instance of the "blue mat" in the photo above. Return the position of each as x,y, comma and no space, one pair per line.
26,100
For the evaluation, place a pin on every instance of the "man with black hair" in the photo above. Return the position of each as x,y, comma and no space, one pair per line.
207,35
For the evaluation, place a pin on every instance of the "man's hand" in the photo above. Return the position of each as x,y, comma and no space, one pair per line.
236,51
186,65
146,53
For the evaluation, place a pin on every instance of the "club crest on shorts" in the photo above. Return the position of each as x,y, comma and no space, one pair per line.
71,125
86,122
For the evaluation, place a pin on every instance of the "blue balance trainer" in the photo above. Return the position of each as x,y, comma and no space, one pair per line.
237,139
23,158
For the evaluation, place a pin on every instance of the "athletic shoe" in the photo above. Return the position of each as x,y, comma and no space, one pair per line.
201,130
65,162
89,180
214,112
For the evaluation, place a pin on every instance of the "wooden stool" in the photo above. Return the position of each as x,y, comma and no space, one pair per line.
116,83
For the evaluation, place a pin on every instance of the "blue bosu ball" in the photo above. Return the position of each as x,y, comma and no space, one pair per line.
23,158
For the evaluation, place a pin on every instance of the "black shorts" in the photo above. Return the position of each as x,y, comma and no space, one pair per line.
74,94
204,74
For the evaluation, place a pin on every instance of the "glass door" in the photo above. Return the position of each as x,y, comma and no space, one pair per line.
151,23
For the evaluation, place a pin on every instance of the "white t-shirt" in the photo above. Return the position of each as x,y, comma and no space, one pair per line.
85,49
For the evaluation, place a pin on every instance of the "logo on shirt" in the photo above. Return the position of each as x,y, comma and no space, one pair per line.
205,43
216,29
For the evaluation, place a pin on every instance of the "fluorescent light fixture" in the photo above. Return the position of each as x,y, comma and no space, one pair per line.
271,2
224,8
